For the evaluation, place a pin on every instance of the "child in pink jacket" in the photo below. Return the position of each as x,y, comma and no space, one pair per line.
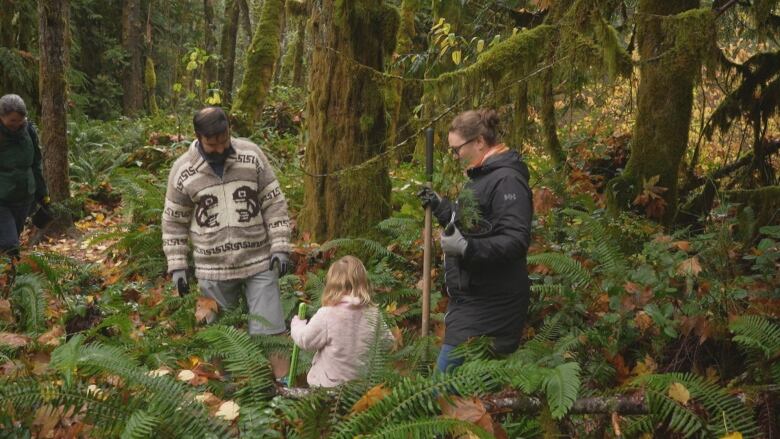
343,328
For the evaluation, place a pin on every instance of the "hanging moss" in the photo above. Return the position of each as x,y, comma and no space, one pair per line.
258,67
614,56
150,80
296,8
516,55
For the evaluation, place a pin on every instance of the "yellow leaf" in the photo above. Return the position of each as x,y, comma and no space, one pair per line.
480,46
679,393
644,367
99,217
391,307
370,398
456,57
228,410
732,435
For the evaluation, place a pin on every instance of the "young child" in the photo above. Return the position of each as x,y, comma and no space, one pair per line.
343,328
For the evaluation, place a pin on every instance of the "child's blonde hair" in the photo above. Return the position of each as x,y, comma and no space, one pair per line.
346,277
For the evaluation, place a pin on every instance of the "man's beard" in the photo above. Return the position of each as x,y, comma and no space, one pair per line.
217,157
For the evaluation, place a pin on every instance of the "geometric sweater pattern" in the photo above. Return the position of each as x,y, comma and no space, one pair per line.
234,222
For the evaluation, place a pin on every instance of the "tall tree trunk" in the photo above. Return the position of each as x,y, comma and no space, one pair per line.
210,42
671,48
228,48
283,45
406,95
551,143
521,123
258,67
53,40
299,55
132,42
346,122
246,17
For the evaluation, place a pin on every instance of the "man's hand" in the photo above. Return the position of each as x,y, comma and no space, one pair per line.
180,282
281,261
429,198
454,244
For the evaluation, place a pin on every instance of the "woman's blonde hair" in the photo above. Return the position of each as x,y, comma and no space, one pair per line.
346,277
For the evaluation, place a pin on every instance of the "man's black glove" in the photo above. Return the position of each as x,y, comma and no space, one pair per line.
281,261
180,281
429,198
44,215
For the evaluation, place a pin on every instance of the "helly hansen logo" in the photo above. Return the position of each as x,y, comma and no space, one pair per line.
510,197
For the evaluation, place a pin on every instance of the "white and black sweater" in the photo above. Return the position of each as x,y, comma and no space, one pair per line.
235,222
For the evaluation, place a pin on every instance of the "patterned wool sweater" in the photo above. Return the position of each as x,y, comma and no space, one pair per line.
235,222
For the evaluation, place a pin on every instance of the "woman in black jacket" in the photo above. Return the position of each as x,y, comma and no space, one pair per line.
486,275
21,175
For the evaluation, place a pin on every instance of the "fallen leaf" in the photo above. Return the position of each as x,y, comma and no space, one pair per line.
683,245
373,396
679,393
468,409
13,340
643,321
732,435
206,309
52,337
689,267
40,363
645,367
5,311
228,410
185,375
159,372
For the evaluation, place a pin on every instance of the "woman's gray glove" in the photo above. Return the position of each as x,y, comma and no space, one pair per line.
454,244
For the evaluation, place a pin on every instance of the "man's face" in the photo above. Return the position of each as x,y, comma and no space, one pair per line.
215,144
13,121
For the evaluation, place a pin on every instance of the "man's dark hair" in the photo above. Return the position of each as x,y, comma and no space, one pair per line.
210,122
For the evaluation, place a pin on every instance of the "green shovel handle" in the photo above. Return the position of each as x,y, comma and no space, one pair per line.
294,357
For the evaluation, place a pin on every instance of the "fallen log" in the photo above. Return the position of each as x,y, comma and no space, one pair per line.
516,403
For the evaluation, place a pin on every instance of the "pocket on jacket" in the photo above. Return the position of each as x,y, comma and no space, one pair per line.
456,279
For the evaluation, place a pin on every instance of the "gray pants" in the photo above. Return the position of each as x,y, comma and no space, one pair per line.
262,296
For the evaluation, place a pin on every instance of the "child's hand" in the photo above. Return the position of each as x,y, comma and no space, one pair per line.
298,321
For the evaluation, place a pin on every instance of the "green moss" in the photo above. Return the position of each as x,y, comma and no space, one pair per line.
516,55
258,67
150,80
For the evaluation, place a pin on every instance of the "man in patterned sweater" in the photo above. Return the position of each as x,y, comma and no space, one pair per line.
223,196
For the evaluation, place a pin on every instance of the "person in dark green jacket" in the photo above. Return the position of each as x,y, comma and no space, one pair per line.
21,175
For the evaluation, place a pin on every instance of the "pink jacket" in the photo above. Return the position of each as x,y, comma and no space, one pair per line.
341,335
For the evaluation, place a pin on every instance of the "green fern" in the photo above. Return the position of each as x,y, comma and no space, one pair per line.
367,249
562,385
428,428
564,265
690,421
759,335
141,424
28,297
244,360
406,230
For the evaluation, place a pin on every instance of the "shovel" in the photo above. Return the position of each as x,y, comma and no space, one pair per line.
294,357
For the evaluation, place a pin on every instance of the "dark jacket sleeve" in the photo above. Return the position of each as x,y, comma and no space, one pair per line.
443,212
512,209
37,166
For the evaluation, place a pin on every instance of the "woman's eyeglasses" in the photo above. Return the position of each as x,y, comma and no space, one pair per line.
455,150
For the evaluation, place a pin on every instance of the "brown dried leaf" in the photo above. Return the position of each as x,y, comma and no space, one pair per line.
6,314
13,340
370,398
206,309
689,267
52,337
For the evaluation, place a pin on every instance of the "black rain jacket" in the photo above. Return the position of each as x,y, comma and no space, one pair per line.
489,287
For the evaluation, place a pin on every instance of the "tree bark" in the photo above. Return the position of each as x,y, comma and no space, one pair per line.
258,67
346,124
245,17
298,77
551,142
228,49
665,98
209,42
132,42
407,95
53,40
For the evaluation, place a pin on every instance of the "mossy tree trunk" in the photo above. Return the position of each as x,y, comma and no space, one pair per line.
549,126
405,94
346,122
298,76
53,41
671,47
228,48
258,67
521,123
209,42
132,43
150,80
